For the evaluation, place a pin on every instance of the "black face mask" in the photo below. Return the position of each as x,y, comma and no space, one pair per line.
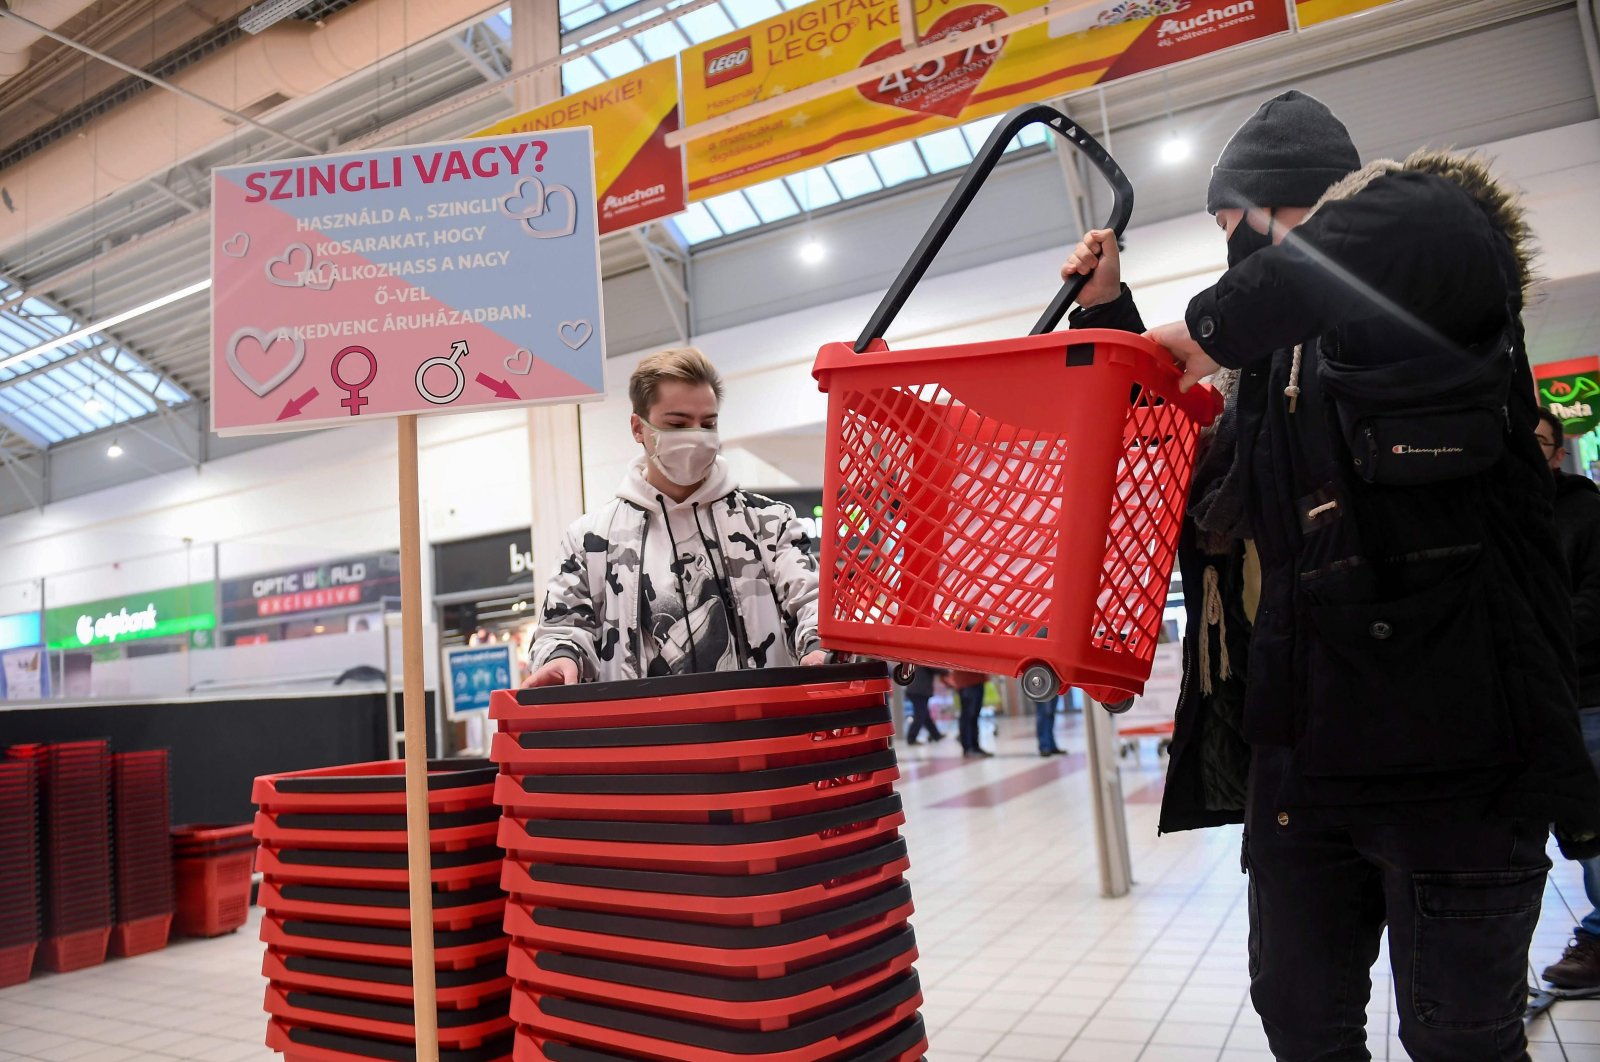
1245,242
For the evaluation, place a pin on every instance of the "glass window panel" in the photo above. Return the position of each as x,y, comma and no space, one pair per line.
977,132
733,212
663,42
696,225
854,176
898,163
772,201
620,58
706,23
579,75
746,12
812,189
944,150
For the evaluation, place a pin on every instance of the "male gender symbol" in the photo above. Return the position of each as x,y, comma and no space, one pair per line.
353,400
458,350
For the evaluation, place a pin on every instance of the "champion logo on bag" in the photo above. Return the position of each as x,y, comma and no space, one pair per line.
1427,451
728,62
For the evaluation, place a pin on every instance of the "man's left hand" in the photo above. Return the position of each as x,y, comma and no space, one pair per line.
1191,358
815,658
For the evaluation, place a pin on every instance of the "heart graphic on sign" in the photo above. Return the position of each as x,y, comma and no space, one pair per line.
299,260
322,278
531,224
521,203
520,362
265,340
944,85
576,333
237,247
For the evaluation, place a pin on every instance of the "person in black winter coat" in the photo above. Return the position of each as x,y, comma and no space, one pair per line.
1578,523
918,693
1409,712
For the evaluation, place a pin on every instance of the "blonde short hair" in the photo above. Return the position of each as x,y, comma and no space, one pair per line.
687,364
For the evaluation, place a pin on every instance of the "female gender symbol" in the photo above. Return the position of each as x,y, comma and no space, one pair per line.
353,400
458,350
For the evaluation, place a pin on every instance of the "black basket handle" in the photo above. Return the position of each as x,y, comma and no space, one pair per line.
967,189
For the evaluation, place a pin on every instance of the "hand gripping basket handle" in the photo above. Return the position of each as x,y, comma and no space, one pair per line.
967,189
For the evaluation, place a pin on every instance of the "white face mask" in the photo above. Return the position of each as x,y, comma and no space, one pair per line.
684,455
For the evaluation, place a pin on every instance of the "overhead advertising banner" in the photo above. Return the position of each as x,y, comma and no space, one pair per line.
833,37
637,177
324,587
1571,390
1315,12
157,614
437,279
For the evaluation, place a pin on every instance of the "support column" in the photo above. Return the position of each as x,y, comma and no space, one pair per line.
1110,824
555,450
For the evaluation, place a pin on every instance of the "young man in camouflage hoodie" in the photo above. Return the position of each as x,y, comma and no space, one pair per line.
682,571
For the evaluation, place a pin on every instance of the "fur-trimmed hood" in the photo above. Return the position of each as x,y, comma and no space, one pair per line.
1469,172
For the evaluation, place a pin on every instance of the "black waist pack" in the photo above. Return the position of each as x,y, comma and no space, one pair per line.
1428,419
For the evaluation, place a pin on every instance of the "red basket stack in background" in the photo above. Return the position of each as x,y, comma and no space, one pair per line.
19,871
336,913
708,868
74,780
142,851
212,866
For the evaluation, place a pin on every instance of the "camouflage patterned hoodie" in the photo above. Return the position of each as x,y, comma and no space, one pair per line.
718,582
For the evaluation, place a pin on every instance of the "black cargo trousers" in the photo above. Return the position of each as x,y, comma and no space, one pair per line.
1461,900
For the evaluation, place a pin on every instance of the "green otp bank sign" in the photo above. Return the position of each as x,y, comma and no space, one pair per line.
157,614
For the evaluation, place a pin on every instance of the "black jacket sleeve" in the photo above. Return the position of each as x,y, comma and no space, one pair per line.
1410,251
1583,556
1120,314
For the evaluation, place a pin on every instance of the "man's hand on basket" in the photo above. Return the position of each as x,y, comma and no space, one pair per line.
815,658
1191,358
562,671
1096,254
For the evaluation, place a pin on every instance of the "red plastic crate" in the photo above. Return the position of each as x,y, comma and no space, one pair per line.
449,871
836,1035
213,893
380,907
452,950
772,1003
377,787
140,936
454,989
715,697
16,964
301,1044
467,1028
74,951
754,899
727,950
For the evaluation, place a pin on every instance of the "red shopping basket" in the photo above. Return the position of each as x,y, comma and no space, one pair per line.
1010,507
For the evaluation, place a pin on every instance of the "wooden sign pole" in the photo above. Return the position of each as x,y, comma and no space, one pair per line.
419,856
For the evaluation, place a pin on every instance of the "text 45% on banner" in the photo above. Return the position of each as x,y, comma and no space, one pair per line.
431,279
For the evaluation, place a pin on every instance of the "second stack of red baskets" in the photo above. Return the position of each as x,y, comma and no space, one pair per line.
19,871
141,821
708,868
337,913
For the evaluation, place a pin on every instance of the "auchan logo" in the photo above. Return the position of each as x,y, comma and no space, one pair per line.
728,62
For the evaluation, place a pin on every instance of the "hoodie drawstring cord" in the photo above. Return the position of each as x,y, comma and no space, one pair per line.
683,595
1292,392
1214,617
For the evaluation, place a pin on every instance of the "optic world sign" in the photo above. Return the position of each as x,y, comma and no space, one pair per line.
158,614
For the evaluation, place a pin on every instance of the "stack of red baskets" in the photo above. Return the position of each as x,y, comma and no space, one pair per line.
142,849
336,913
19,871
74,781
708,868
212,866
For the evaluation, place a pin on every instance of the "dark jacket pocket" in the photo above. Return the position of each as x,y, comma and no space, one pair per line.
1404,686
1470,957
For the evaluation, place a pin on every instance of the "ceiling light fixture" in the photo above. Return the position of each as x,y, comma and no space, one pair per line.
812,252
114,451
1175,149
100,326
91,405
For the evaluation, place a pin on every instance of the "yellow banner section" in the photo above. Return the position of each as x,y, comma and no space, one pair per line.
637,177
831,37
1316,12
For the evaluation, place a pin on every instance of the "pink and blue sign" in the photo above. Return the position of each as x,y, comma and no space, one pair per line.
434,279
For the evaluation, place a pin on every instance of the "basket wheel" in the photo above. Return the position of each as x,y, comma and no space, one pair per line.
1118,707
904,673
1040,683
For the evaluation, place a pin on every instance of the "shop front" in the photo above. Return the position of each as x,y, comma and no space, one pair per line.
334,597
109,632
24,674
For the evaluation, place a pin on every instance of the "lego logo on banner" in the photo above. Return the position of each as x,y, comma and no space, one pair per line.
728,62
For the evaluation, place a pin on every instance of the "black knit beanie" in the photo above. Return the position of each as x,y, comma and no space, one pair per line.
1288,154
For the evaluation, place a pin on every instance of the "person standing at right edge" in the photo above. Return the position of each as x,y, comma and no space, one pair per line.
1409,705
1578,522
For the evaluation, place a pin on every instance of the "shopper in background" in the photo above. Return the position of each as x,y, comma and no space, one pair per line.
1578,523
1044,717
682,572
1410,703
968,687
918,693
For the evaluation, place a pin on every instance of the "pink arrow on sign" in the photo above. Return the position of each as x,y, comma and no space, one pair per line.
295,406
499,387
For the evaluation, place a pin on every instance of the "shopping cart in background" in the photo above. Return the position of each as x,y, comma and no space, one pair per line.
1012,506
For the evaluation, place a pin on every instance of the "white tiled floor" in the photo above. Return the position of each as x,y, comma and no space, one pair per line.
1021,959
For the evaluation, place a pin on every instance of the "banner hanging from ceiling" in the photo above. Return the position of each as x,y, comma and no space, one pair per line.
832,37
638,178
1315,12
